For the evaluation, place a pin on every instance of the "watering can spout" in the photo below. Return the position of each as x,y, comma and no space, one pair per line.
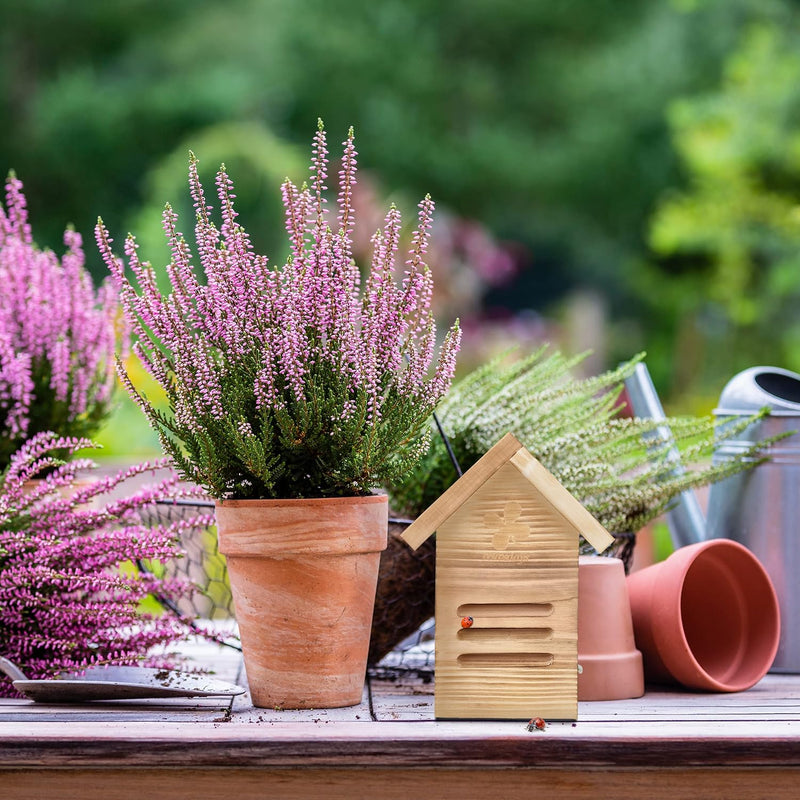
687,524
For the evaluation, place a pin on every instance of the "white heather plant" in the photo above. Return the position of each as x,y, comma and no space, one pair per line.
301,380
66,602
621,469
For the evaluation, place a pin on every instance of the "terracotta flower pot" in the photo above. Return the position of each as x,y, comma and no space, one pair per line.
303,576
611,666
706,618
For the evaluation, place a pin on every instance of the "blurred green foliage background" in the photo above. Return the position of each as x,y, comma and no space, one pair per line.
637,164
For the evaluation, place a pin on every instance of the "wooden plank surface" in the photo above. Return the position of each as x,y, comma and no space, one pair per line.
775,698
589,783
154,711
665,734
243,712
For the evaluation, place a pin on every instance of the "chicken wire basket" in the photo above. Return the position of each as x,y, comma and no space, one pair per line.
404,603
413,657
202,565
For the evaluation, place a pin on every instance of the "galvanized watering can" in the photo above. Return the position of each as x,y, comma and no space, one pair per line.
759,508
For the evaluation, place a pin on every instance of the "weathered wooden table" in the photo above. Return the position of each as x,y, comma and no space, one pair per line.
666,744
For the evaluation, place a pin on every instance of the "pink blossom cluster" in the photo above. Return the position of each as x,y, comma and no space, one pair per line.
65,600
312,326
57,335
381,336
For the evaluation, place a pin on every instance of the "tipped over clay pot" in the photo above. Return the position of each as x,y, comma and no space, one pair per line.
610,664
303,575
706,618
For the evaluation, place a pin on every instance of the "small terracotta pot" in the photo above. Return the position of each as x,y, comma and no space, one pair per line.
610,664
706,618
303,576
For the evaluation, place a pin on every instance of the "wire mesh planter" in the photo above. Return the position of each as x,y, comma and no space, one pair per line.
623,549
405,596
202,565
413,657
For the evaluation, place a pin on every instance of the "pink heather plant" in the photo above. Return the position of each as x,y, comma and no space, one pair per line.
64,601
57,335
298,381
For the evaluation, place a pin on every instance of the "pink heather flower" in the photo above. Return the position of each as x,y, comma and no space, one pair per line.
347,183
295,380
14,219
57,334
319,174
16,386
65,604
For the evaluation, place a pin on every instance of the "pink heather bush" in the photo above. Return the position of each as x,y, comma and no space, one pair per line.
302,380
64,601
57,335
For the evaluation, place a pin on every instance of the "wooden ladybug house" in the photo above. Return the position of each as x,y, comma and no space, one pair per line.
507,535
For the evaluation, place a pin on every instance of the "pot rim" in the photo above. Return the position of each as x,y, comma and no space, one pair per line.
277,502
298,527
687,669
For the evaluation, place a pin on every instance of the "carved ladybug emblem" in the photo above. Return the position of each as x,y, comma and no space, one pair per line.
507,527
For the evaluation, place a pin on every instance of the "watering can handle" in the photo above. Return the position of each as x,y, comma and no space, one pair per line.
686,521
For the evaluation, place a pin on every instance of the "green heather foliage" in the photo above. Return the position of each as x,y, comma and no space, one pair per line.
619,468
306,380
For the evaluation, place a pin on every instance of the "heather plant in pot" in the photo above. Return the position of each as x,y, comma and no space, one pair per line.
69,598
57,335
293,391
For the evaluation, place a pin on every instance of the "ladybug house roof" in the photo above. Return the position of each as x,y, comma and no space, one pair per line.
509,450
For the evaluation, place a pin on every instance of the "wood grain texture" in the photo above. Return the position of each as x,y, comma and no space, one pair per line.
165,710
561,500
589,783
372,745
508,534
506,551
667,744
245,713
429,520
